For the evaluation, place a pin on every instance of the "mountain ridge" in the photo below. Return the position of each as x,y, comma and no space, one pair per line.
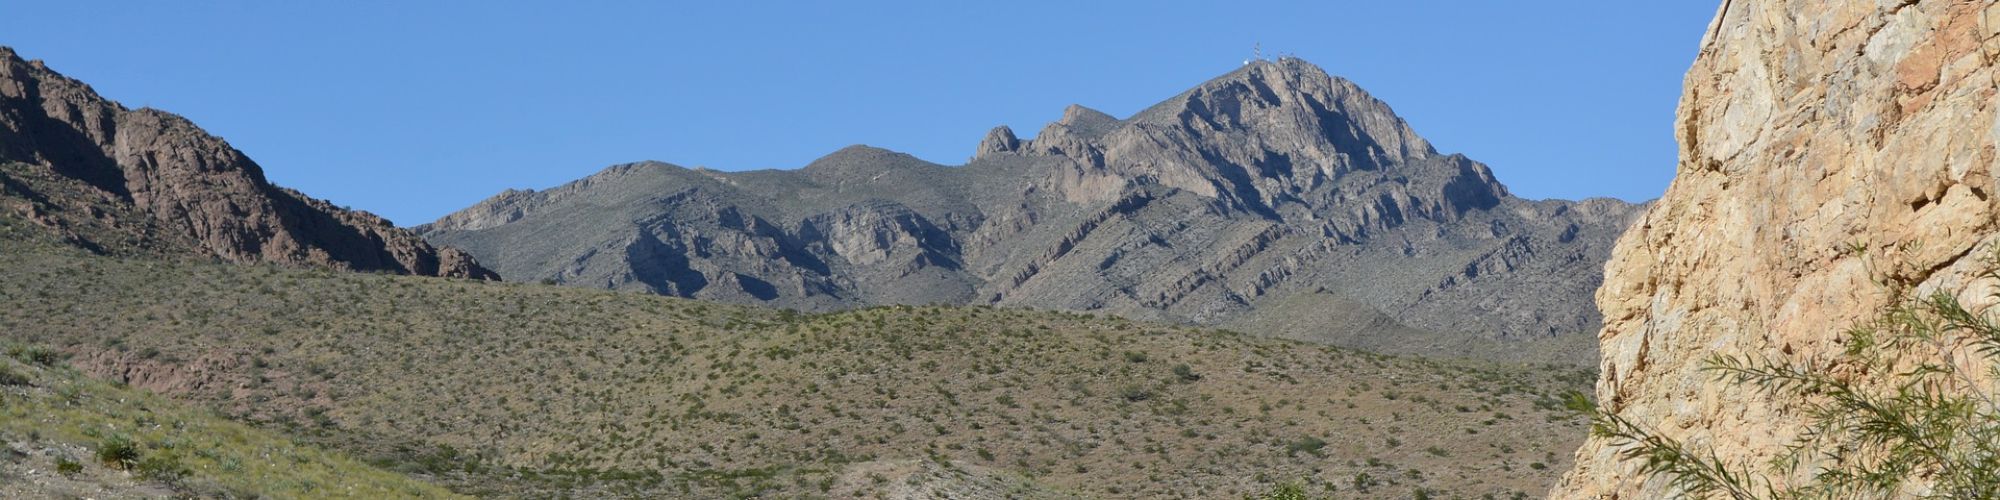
1270,180
90,172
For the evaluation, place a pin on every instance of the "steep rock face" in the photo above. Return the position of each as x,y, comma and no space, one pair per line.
1270,181
177,187
1806,129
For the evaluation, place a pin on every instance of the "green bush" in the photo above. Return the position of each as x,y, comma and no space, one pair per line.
1135,393
68,467
1309,444
1286,491
118,452
10,377
1363,481
35,354
161,467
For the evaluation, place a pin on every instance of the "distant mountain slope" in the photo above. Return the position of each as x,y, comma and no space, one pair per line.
92,173
1268,182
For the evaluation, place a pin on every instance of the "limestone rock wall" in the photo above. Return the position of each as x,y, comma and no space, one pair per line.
1805,128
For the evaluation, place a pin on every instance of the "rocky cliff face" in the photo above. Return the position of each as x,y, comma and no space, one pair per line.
1806,129
1266,183
95,174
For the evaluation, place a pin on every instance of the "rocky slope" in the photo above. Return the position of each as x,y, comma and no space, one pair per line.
1266,183
1825,147
98,175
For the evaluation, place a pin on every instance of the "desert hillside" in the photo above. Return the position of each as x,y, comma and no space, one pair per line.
67,435
532,390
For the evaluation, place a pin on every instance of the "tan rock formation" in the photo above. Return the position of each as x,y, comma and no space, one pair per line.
1805,128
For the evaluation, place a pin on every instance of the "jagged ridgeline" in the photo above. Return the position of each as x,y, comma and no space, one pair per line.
1275,198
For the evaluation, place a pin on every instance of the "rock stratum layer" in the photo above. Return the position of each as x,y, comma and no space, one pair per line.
92,173
1825,147
1275,183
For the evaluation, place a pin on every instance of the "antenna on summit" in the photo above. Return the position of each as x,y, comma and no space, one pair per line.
1256,53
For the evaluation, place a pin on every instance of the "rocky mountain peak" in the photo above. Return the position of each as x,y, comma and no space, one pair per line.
999,140
1290,96
1260,137
1087,122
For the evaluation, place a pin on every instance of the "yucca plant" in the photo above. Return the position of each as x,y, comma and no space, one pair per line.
1907,409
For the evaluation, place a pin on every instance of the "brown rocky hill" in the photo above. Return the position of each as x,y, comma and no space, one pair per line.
92,173
1826,148
1274,183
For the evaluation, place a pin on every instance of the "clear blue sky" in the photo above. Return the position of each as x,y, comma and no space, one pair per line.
414,109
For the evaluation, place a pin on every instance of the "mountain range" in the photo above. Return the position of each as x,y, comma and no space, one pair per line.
1275,197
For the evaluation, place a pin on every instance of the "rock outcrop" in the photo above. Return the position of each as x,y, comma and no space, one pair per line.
1000,140
101,176
1825,147
1273,180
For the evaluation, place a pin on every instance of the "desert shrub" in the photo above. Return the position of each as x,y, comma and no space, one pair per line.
1923,421
40,355
1185,373
68,467
118,452
1286,491
10,377
1135,393
1309,444
1362,481
161,467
